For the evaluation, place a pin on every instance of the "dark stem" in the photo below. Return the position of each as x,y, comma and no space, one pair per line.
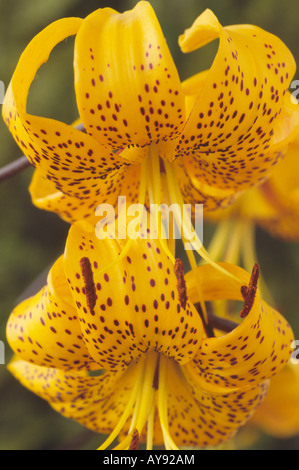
22,163
207,325
221,323
14,168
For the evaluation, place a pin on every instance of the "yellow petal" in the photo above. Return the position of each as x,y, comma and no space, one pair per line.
95,402
279,413
254,351
124,181
131,305
44,329
67,156
200,418
127,86
243,117
273,205
195,191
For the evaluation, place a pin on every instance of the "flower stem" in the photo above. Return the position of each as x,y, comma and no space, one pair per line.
14,168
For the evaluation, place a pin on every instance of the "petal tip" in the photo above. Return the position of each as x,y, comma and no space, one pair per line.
205,29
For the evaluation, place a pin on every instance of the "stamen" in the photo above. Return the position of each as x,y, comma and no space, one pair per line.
90,289
219,240
176,197
249,292
233,249
135,440
181,284
154,191
150,428
162,406
249,256
128,409
147,392
156,376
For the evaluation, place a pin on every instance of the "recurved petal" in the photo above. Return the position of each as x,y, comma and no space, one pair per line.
243,117
127,86
95,402
124,181
45,330
196,191
67,156
254,351
200,417
274,205
130,305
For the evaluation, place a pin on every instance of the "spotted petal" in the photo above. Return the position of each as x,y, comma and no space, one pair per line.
127,86
44,329
195,191
67,156
254,351
95,402
124,182
243,117
201,418
130,305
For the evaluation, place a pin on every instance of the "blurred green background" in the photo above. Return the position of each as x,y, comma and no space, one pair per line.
30,239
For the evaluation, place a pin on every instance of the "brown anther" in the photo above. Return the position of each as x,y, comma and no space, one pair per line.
135,440
181,284
90,290
248,292
244,290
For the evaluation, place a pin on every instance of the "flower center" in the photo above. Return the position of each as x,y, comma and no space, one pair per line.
149,392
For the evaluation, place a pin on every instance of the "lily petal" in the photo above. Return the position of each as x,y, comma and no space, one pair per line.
254,351
243,117
124,181
44,329
195,191
95,402
201,418
130,305
68,157
127,86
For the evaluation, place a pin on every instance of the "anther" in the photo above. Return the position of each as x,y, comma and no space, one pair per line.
135,440
248,292
90,289
181,284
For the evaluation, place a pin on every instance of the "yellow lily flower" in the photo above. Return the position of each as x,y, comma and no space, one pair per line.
133,108
161,378
273,205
